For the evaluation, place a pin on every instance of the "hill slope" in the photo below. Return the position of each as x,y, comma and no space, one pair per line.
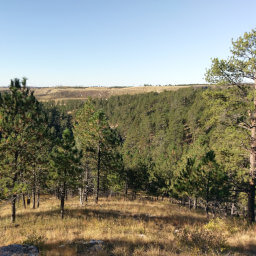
72,93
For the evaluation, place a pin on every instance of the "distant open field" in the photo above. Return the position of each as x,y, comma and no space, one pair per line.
72,93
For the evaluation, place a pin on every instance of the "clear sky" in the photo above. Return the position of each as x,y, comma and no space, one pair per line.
117,42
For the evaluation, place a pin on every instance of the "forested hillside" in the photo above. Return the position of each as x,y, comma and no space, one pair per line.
131,136
188,144
188,147
191,145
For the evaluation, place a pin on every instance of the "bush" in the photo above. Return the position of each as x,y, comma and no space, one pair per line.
227,226
200,239
216,225
35,240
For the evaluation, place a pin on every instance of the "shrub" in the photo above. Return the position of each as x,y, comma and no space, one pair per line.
35,240
200,239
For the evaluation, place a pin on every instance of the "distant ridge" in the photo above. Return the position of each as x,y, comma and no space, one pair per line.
60,93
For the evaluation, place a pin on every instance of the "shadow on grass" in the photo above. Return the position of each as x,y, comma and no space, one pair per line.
110,247
248,250
174,219
129,247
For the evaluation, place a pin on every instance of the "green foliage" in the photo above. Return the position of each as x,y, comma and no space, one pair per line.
99,143
213,183
23,129
65,161
241,65
154,130
238,69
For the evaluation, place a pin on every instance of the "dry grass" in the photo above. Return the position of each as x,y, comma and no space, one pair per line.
127,228
72,93
78,93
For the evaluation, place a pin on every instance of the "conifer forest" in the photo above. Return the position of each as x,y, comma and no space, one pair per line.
191,150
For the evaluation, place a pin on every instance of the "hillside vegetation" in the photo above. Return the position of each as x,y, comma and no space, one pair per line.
185,147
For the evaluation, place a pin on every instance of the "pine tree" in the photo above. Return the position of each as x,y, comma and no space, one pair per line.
97,140
237,70
65,165
22,126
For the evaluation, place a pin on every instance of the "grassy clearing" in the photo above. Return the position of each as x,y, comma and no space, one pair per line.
127,228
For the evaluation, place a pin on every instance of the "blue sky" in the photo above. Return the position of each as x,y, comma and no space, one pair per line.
117,42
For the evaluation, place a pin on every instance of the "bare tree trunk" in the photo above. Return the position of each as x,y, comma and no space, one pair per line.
195,203
14,197
232,212
98,176
251,194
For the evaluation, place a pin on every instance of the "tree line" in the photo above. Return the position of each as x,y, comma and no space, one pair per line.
183,145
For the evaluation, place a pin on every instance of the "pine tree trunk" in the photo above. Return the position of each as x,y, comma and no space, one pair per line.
126,189
34,198
81,196
38,198
24,200
86,186
62,200
34,189
251,194
14,197
251,203
98,176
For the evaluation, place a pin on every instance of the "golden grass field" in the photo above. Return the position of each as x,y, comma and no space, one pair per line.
135,228
79,93
73,93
